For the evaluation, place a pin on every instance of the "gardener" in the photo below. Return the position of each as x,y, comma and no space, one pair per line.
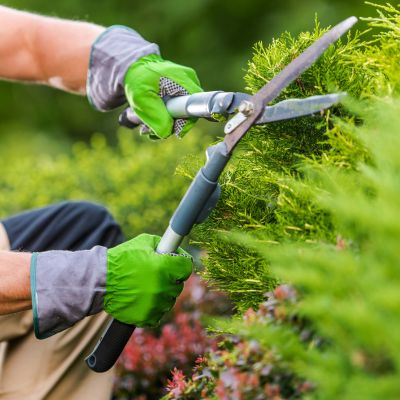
129,281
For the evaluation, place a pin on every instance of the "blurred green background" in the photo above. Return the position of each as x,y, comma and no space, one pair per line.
214,37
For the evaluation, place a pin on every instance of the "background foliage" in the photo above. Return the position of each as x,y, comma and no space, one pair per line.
134,180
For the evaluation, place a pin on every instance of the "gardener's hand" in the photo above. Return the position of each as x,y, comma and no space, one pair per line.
148,81
131,282
142,285
126,68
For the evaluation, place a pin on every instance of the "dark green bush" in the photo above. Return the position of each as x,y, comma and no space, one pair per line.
350,286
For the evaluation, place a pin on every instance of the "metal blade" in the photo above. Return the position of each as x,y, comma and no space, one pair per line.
274,87
294,108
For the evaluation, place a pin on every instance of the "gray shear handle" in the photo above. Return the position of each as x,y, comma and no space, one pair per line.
175,106
196,200
198,105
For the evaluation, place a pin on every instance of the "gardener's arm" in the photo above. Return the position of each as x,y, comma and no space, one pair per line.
112,66
15,291
45,50
131,282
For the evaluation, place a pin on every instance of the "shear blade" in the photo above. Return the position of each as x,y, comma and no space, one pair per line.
272,89
293,108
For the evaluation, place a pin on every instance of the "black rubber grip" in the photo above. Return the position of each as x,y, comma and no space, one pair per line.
110,346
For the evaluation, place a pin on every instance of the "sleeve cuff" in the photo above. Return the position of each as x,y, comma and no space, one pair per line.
66,287
113,52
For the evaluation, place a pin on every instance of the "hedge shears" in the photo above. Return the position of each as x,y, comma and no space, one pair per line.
203,193
217,105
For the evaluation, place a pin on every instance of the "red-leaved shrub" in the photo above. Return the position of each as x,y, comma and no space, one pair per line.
244,369
150,356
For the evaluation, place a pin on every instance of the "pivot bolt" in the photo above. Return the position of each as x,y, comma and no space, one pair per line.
246,107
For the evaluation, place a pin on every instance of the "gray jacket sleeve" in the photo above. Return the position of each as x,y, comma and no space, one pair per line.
111,55
66,287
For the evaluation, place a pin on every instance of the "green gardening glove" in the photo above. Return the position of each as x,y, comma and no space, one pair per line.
124,67
142,285
148,81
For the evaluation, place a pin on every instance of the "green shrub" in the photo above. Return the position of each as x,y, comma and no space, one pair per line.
261,186
349,288
134,179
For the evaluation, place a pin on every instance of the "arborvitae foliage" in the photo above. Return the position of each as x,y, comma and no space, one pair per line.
261,188
318,202
350,288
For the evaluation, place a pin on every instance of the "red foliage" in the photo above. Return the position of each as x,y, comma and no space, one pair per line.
151,355
177,385
244,369
179,342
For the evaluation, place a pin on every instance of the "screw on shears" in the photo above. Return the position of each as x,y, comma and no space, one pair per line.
246,108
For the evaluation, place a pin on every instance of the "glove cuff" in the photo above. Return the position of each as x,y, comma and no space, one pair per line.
66,287
112,53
